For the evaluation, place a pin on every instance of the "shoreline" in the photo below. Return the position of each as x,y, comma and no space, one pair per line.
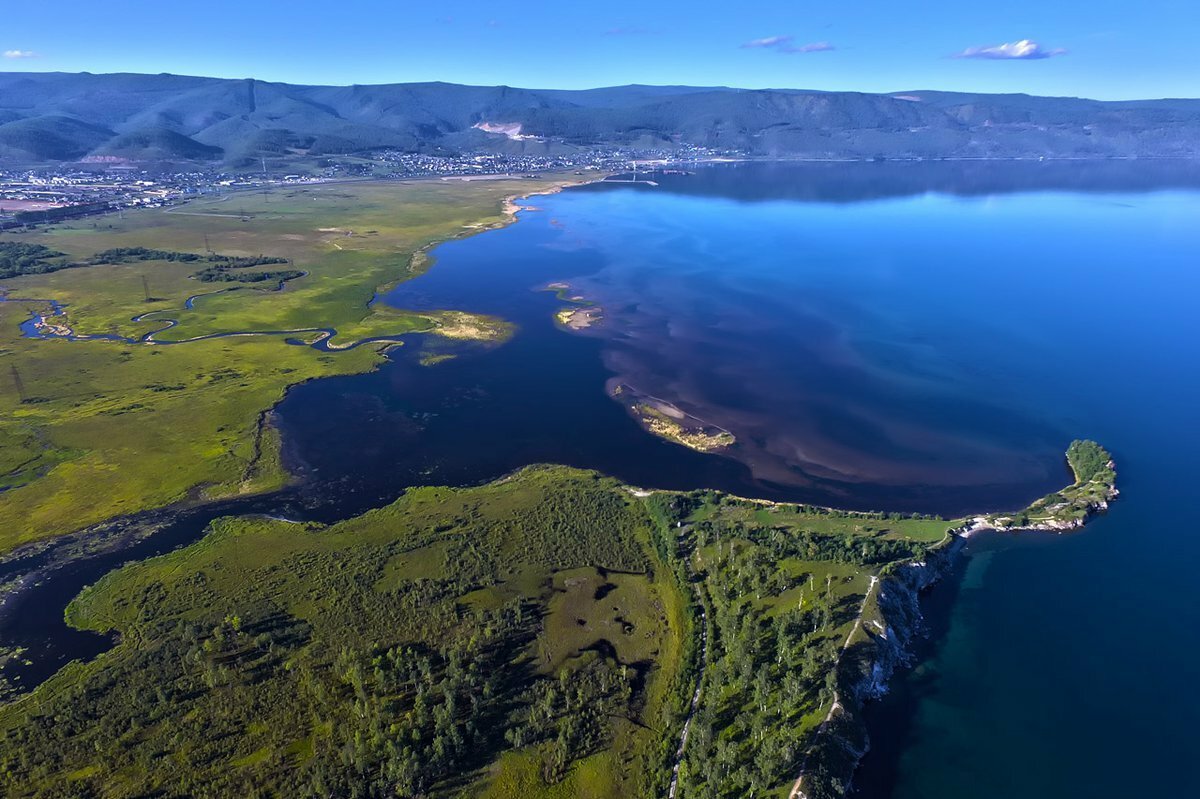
422,260
27,565
878,645
916,159
449,324
38,547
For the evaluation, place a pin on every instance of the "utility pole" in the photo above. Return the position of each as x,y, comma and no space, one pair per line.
207,249
146,287
20,384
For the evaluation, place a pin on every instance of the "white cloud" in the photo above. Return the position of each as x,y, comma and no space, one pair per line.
1024,50
811,47
784,44
19,54
770,41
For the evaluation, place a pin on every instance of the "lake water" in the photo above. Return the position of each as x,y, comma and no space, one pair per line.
918,337
925,337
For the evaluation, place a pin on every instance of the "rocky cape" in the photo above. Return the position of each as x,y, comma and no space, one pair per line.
893,621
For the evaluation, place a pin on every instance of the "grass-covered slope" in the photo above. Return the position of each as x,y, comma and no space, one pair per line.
521,638
54,137
158,143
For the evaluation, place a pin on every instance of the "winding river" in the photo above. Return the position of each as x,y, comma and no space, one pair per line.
42,326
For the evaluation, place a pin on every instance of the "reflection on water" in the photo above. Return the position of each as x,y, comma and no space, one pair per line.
866,353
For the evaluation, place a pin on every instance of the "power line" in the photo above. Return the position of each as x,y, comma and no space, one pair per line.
19,383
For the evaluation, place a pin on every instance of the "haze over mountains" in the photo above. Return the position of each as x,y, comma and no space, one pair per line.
47,117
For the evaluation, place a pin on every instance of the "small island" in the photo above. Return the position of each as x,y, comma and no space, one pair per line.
579,318
583,315
666,420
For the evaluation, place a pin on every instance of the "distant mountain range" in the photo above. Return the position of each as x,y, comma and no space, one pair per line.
46,117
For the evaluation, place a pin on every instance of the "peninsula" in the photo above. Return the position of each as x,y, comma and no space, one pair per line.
519,638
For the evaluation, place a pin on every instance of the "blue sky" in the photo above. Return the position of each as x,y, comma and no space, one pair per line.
1109,49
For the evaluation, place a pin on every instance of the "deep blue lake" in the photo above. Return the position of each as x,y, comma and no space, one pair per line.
917,337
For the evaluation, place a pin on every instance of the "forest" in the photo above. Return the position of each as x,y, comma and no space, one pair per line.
540,631
398,653
782,588
220,268
18,258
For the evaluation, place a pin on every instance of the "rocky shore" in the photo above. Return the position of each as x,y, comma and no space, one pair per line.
895,621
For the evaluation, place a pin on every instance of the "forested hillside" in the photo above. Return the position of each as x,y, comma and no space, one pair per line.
65,117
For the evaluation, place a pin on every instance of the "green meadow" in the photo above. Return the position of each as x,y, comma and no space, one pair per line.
93,429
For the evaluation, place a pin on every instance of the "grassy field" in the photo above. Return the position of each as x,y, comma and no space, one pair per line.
89,430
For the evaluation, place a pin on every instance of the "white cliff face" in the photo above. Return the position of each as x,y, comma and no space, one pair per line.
511,130
866,671
866,668
889,649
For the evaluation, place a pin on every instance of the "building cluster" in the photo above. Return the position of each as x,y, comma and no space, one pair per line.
397,164
53,193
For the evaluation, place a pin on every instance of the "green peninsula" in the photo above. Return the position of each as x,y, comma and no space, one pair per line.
546,635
